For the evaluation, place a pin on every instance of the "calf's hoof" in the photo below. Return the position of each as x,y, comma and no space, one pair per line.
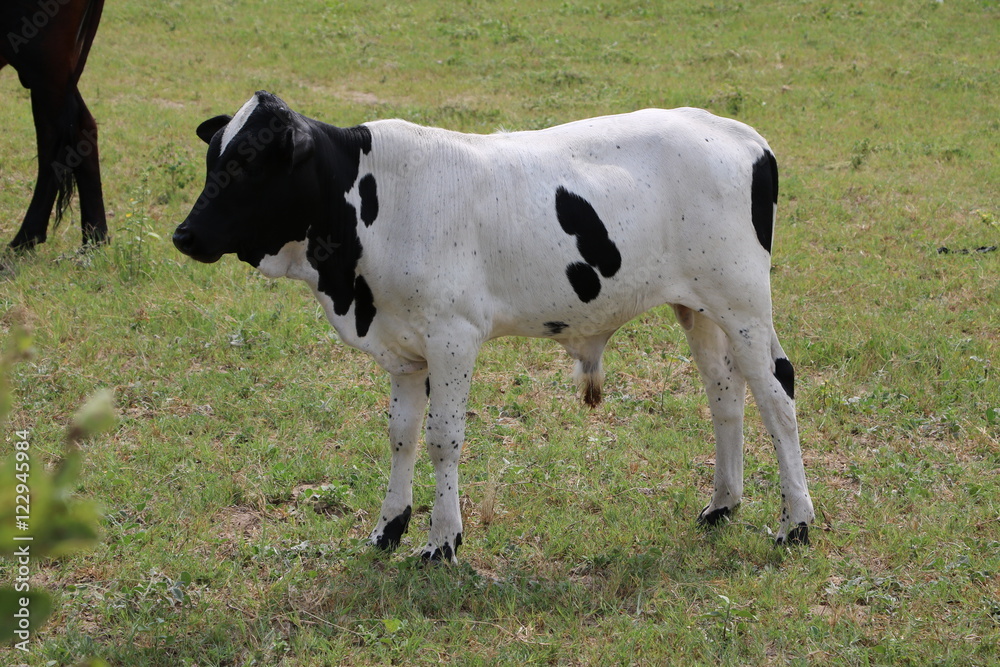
797,535
715,517
443,554
389,537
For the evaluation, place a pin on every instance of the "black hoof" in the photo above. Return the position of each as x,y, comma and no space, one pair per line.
432,558
25,244
393,532
90,246
95,239
443,554
715,517
797,535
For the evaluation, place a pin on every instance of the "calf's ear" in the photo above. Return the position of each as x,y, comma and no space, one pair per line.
302,144
208,129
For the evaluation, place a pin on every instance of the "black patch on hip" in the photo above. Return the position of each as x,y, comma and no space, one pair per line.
369,200
584,280
578,218
786,376
763,197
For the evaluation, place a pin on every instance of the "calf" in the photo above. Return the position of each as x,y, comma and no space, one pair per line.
421,244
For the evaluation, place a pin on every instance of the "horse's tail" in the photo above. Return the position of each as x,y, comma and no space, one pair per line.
85,35
73,148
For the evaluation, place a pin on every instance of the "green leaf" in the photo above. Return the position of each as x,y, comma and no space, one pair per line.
71,533
393,625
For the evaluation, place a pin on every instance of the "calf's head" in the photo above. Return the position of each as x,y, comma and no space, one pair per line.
261,188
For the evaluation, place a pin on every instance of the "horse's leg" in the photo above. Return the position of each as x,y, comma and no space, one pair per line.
88,177
45,109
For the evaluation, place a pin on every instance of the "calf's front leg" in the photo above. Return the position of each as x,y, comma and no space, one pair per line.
449,392
407,402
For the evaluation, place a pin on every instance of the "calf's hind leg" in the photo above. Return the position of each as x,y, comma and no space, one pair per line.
728,361
726,390
771,378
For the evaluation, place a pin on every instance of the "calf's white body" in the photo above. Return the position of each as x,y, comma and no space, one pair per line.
564,233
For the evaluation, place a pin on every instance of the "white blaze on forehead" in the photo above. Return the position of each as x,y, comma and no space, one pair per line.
237,123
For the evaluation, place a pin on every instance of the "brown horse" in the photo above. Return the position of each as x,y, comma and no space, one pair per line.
47,42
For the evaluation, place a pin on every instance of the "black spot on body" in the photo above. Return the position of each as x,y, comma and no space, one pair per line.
393,532
369,200
334,253
578,218
786,376
555,328
427,386
584,281
334,248
364,306
763,197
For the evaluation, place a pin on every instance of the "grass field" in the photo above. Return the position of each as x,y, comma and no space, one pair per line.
251,455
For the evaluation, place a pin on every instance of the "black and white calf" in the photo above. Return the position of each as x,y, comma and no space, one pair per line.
421,244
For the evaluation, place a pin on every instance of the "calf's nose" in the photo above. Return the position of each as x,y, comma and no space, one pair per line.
183,240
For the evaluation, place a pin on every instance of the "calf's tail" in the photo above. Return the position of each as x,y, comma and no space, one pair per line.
589,377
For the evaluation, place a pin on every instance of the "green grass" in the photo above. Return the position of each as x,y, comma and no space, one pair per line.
581,548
